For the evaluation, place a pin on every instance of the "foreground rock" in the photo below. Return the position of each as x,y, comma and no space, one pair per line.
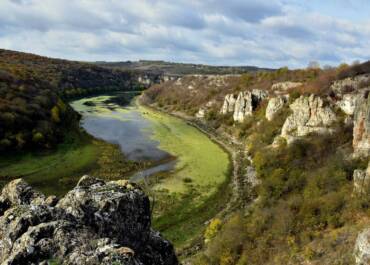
361,129
310,115
96,223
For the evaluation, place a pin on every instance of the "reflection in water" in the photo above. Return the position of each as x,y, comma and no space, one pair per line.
125,126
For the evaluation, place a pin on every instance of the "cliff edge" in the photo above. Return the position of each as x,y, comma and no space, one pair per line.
97,222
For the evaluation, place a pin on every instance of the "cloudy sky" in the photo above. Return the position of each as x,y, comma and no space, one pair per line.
269,33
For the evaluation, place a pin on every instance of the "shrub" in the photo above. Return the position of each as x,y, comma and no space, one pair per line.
55,114
211,230
37,137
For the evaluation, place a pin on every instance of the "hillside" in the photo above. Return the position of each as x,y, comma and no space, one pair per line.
307,135
170,68
70,78
33,94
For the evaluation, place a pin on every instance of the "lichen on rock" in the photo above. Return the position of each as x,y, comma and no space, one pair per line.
97,222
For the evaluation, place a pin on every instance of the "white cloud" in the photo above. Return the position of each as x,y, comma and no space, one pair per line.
265,33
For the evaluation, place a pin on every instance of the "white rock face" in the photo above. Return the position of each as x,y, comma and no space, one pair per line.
284,86
247,102
362,248
229,104
201,113
243,106
350,84
361,181
348,103
274,105
361,128
259,95
309,116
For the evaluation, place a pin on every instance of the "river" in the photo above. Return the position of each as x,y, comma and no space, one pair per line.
144,134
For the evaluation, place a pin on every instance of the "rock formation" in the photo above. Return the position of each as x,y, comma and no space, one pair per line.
361,181
348,103
95,223
284,86
201,113
243,106
247,102
229,104
310,115
361,129
362,248
345,86
274,106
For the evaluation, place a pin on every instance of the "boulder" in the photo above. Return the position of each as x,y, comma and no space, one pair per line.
361,127
229,104
274,106
362,248
97,222
310,115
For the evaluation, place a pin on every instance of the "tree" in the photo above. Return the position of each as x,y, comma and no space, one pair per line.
313,65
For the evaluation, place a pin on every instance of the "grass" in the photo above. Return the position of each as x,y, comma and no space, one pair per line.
198,187
53,172
57,171
182,221
199,159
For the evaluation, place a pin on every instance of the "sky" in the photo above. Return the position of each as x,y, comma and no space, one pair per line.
265,33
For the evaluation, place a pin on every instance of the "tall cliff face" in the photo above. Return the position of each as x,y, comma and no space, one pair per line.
361,129
95,223
310,115
243,104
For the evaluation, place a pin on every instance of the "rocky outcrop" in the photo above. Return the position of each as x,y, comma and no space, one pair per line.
361,128
310,115
203,110
348,103
274,106
201,113
350,84
284,86
247,102
95,223
362,248
361,181
243,106
229,104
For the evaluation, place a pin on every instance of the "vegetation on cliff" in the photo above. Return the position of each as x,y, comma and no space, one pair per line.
305,210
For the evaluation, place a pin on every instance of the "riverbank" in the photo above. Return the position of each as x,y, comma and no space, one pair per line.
235,193
56,171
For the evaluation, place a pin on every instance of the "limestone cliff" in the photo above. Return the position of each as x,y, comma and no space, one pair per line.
361,129
310,115
274,106
95,223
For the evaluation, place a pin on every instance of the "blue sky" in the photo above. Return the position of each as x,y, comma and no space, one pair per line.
271,33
